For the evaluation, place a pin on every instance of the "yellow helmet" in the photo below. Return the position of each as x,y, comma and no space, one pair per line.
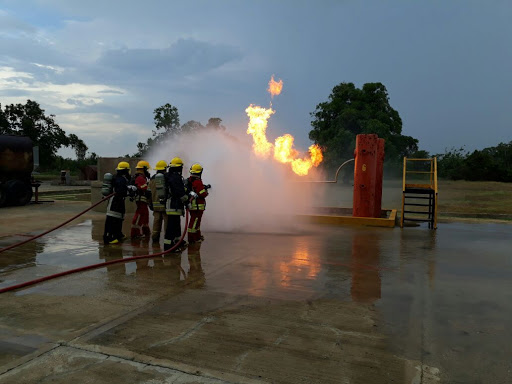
143,164
196,169
176,163
161,165
123,165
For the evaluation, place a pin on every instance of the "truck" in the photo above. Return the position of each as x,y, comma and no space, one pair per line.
16,166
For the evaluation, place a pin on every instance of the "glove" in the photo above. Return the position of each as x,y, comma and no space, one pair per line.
132,188
193,194
162,201
207,186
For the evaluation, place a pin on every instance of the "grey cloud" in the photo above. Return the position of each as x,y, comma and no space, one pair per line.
186,57
12,92
10,24
26,50
111,91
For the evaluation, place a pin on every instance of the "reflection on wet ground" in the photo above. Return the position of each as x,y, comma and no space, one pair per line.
442,299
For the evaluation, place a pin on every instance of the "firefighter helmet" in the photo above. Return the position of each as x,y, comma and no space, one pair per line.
161,165
123,165
196,169
143,164
176,163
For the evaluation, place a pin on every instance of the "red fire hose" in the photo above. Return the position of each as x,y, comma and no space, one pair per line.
94,266
54,228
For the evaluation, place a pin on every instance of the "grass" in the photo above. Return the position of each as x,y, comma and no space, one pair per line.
478,197
464,198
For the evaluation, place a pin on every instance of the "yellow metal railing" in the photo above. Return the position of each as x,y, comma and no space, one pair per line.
432,174
432,184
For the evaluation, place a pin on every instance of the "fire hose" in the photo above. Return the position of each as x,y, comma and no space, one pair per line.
57,227
98,265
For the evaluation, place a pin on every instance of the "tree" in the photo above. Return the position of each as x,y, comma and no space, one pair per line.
166,119
215,123
167,123
78,145
191,126
351,111
30,120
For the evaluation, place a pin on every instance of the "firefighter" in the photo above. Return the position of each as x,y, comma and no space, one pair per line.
159,214
174,206
140,221
113,232
198,192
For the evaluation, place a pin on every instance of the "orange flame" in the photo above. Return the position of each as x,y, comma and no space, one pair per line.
274,87
283,146
258,118
302,166
283,149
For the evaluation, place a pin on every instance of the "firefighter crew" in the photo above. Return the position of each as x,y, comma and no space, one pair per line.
113,232
140,221
159,214
176,197
198,192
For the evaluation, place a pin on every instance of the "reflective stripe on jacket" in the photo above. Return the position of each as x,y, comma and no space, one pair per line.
199,203
176,192
157,205
116,207
141,182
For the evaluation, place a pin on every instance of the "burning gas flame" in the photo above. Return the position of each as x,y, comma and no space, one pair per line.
258,117
283,149
283,146
274,87
302,166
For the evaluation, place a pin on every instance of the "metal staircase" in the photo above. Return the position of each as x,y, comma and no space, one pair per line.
419,199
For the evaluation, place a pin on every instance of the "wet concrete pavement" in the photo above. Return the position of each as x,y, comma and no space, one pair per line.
315,304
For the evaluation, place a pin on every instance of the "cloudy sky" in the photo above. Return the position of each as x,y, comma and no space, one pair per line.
103,66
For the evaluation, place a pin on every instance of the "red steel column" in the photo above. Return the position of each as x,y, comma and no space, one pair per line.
378,177
364,175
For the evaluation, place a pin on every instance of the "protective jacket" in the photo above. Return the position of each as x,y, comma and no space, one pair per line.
176,194
116,207
141,182
157,205
197,186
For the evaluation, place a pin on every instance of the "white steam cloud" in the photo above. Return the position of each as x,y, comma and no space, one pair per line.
248,194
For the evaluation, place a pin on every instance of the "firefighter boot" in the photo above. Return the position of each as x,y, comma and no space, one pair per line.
135,233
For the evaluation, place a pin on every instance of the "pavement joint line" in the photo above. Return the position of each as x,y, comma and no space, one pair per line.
18,363
341,332
98,329
161,363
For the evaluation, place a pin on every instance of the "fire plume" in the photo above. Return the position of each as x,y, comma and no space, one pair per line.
302,166
258,120
283,145
274,87
283,149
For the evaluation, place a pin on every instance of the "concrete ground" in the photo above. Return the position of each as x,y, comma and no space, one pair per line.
314,304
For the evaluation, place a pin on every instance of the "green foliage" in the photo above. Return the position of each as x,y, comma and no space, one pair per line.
488,164
450,164
166,119
191,126
215,123
78,145
30,120
167,124
351,111
73,165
